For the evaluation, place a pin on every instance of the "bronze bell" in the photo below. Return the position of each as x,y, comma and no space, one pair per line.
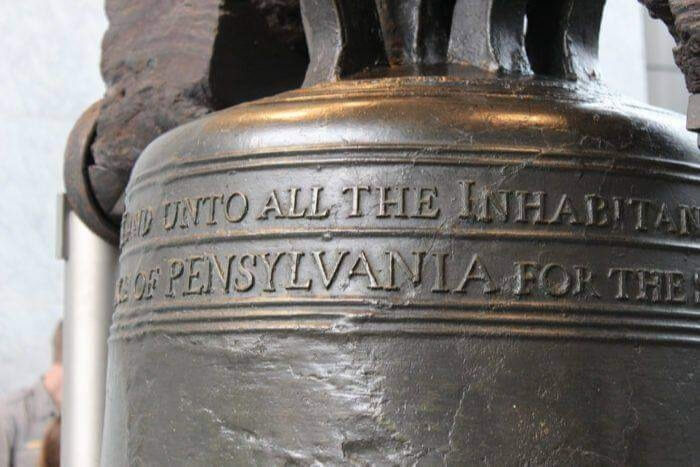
451,246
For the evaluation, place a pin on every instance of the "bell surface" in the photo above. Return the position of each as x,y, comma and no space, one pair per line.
452,246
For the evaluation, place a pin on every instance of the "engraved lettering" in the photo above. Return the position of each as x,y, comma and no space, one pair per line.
555,280
476,271
270,266
236,207
415,273
211,220
325,276
618,204
249,279
426,198
641,209
193,276
467,211
152,282
356,192
596,211
134,225
293,213
399,202
440,268
272,204
530,202
675,287
223,271
565,209
139,285
176,268
649,281
622,274
494,202
689,213
357,270
169,222
315,212
122,290
525,277
583,282
294,279
664,219
190,212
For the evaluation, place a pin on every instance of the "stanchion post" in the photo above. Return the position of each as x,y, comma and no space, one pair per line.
89,283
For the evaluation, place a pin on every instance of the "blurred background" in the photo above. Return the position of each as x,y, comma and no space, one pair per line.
50,74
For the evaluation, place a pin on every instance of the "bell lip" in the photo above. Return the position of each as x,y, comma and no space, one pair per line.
383,113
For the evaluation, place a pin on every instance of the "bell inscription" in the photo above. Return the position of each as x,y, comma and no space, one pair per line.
427,240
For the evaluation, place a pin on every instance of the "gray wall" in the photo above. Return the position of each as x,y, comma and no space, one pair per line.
622,48
666,84
636,57
48,74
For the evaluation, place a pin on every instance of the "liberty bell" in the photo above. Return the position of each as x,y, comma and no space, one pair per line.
451,246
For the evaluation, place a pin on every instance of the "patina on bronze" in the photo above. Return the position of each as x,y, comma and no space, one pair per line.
451,246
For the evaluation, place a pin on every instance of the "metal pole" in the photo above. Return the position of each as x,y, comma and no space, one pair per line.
89,284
